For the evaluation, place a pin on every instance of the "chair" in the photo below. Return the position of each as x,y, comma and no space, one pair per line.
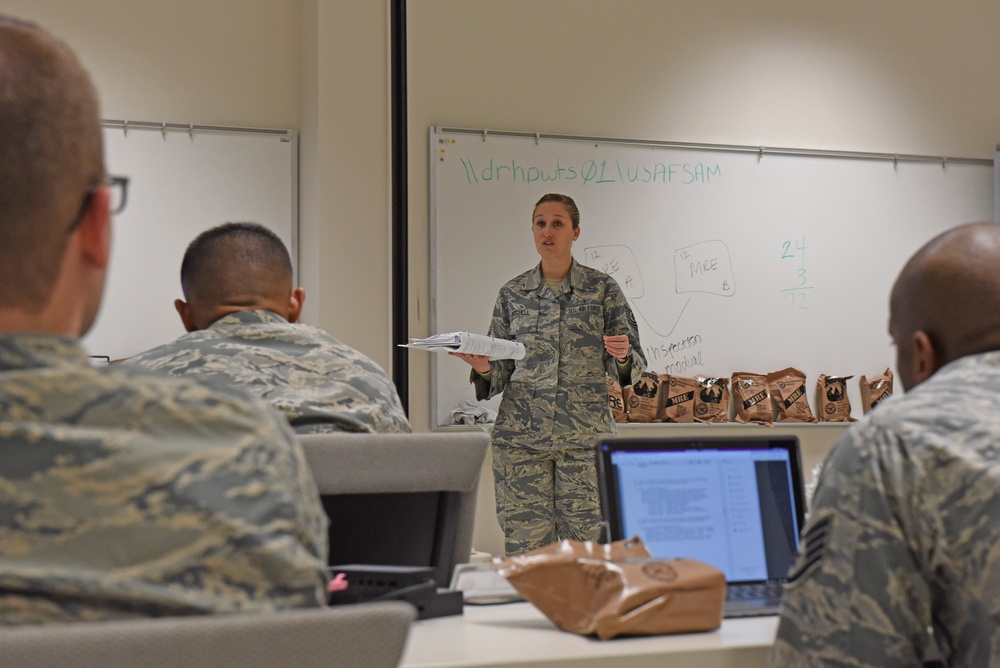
401,464
367,635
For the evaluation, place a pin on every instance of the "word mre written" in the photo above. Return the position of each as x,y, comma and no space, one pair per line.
589,171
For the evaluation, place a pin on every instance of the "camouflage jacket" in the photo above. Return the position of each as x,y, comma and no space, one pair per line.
557,394
126,494
904,533
320,384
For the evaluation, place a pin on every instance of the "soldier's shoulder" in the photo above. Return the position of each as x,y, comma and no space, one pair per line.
591,272
184,399
592,276
167,351
517,283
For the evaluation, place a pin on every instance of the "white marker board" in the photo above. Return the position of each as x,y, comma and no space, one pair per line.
182,184
731,261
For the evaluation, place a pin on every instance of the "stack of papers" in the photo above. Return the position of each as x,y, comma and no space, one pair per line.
481,585
472,344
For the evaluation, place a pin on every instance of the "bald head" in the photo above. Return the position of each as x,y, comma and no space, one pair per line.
237,267
50,155
945,303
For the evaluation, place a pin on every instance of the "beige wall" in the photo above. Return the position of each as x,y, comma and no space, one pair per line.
315,66
344,171
226,62
907,76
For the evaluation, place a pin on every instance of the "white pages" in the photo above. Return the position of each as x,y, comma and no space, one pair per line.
472,344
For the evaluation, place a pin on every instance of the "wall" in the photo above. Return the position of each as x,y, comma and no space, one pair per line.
903,76
898,75
906,76
909,76
344,171
213,62
315,66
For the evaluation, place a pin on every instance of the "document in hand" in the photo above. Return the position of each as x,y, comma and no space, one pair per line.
473,344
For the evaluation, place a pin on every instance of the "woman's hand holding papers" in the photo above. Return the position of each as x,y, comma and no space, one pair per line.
481,363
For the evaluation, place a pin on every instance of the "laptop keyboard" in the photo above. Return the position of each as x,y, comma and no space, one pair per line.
754,592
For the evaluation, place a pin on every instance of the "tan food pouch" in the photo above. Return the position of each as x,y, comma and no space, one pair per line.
832,402
873,391
788,389
617,589
645,402
616,399
679,398
752,398
712,402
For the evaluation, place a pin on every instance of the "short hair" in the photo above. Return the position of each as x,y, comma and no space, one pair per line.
236,263
566,201
50,131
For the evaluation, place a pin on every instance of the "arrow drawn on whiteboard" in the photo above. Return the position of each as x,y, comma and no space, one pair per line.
702,267
653,329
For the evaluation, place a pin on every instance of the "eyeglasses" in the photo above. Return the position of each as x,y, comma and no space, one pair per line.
118,185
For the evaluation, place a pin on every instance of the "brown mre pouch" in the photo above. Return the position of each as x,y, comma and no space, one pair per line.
679,397
788,389
752,398
879,388
617,589
712,402
832,402
645,402
616,398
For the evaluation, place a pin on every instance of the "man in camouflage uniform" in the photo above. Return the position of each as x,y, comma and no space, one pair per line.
555,400
904,529
122,493
241,314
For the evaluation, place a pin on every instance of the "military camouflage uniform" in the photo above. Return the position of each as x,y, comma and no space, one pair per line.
320,384
126,494
904,533
555,402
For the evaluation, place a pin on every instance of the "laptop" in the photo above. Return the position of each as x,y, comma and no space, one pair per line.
734,502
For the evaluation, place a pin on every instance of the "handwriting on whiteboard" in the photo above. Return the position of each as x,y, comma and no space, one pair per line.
703,267
589,172
794,253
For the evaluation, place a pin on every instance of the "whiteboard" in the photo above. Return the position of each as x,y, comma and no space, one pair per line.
181,184
732,261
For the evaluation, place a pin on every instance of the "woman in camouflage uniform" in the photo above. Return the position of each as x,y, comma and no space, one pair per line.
576,326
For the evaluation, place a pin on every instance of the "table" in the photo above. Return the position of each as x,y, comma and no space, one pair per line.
517,634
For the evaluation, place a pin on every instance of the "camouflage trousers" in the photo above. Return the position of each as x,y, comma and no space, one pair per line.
544,496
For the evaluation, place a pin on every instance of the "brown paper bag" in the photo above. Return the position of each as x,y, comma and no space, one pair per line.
679,398
832,402
752,398
712,404
616,399
645,400
875,390
617,589
788,390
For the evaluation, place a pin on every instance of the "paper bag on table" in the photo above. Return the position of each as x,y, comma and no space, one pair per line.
617,589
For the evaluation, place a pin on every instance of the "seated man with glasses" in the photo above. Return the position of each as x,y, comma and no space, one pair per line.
122,493
241,315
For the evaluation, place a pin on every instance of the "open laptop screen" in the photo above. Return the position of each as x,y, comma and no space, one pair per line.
732,502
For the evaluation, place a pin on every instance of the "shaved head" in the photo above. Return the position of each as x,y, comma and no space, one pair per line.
947,299
50,155
235,267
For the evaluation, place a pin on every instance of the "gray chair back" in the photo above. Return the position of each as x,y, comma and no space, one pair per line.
366,635
349,463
